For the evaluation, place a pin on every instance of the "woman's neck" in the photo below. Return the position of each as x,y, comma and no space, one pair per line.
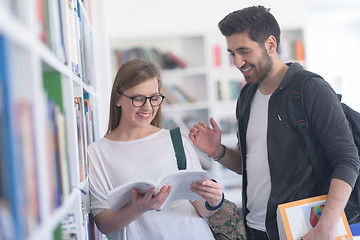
126,134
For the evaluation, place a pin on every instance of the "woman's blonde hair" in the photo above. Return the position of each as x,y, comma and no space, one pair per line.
131,74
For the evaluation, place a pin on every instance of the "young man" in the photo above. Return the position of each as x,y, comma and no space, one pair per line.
272,153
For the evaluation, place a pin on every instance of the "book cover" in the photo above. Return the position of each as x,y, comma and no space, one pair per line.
41,23
26,138
299,50
53,85
11,164
80,136
180,182
169,97
88,110
179,62
297,218
63,154
53,155
64,30
217,56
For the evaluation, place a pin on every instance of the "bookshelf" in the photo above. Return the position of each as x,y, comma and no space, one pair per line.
49,69
210,81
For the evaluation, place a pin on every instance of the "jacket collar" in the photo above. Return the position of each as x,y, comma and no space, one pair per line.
294,67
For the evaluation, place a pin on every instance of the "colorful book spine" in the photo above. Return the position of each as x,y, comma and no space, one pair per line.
217,56
11,199
80,137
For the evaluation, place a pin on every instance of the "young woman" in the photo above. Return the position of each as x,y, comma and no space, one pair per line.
136,148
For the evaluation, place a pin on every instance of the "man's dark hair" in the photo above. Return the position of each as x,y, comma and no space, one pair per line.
256,20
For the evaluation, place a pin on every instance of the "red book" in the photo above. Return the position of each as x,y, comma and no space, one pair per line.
217,56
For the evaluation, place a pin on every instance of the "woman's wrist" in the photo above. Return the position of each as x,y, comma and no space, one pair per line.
210,208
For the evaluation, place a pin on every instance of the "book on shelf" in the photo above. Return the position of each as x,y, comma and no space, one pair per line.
219,90
89,75
180,182
229,89
297,218
187,96
77,23
292,50
217,55
63,154
235,86
87,6
71,16
54,32
169,97
179,62
228,125
175,95
69,227
165,60
53,157
86,217
94,231
58,157
80,136
26,136
6,221
35,164
299,50
3,126
61,9
85,46
89,119
11,165
64,10
40,20
52,82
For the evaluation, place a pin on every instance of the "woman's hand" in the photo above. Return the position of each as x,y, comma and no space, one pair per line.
151,200
108,221
211,191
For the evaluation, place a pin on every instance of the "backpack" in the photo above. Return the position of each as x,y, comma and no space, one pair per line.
297,114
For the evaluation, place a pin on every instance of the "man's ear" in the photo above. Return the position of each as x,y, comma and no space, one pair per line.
271,44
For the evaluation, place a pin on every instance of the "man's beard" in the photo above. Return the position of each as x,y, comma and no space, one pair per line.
262,68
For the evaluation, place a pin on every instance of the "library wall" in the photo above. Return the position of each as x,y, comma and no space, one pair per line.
332,45
49,101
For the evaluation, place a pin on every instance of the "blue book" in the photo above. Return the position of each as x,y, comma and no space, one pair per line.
11,163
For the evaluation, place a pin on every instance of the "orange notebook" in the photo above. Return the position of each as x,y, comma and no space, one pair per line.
297,218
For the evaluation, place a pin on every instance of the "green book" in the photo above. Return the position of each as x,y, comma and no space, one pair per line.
53,87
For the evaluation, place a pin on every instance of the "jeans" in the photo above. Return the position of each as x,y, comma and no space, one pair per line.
254,234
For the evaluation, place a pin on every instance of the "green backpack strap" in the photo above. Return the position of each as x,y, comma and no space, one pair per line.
178,148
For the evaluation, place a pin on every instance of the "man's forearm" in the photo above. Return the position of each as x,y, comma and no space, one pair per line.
232,160
338,196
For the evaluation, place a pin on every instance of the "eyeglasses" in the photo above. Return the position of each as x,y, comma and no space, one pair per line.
139,101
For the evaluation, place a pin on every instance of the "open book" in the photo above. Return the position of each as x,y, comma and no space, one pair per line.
180,182
297,218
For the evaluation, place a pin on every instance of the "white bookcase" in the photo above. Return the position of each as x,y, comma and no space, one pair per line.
50,53
210,80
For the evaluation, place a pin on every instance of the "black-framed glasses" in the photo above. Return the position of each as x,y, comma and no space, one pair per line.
139,101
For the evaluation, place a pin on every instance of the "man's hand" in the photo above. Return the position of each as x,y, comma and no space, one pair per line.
206,139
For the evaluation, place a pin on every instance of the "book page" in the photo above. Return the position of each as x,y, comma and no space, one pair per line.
120,196
181,184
